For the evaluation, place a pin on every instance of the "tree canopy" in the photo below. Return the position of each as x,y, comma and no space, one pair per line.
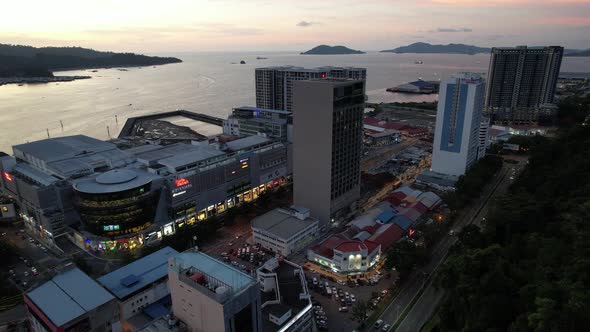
529,268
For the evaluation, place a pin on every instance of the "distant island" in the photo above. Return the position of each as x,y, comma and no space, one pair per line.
579,53
440,49
28,61
331,50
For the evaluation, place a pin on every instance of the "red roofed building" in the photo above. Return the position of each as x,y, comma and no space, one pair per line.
387,235
396,198
413,132
418,206
343,256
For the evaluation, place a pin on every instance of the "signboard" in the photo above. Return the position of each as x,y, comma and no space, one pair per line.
7,176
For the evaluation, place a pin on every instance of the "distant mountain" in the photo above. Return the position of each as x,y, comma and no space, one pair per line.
446,49
331,50
577,53
19,60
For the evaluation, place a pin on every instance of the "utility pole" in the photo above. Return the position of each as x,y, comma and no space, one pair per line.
108,132
62,125
48,133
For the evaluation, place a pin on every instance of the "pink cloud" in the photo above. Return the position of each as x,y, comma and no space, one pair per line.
479,3
565,20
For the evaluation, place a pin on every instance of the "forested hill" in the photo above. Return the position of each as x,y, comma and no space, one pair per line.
18,60
529,268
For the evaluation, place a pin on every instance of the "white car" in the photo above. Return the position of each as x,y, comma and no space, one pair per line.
378,324
386,327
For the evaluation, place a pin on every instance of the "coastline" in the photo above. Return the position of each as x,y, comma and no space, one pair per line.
40,80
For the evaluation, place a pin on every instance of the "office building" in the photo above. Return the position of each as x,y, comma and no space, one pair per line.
274,85
71,301
327,138
458,120
285,230
105,197
209,295
286,302
521,82
247,120
141,289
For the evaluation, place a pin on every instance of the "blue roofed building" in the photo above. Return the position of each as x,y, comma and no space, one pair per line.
71,301
141,289
403,222
386,216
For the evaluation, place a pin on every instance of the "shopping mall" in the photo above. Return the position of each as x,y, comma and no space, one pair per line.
118,195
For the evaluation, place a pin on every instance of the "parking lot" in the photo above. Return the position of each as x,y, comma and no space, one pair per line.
335,307
33,261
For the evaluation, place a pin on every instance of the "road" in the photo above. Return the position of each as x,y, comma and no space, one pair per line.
431,297
421,277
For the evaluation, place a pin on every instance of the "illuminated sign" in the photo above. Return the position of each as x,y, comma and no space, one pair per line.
411,232
110,227
181,182
323,75
7,176
179,193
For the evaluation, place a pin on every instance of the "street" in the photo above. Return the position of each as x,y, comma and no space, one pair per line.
431,298
420,277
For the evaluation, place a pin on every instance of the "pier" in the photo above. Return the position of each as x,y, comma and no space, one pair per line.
130,125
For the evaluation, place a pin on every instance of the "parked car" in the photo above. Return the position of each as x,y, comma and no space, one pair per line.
386,327
343,309
378,324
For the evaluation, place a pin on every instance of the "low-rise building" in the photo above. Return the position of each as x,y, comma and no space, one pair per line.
344,256
71,301
247,120
285,231
286,302
209,295
141,289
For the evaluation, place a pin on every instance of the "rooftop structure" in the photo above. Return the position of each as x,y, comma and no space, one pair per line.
69,299
134,277
284,223
286,302
247,120
209,295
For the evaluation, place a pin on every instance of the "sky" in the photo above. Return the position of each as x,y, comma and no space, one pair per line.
155,26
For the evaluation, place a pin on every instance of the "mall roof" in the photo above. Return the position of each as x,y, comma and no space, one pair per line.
281,223
133,277
185,154
246,142
66,147
114,181
225,273
68,296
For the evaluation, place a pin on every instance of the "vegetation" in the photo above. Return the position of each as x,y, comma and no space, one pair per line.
443,49
529,268
9,295
360,311
425,105
82,264
331,50
469,186
404,256
27,61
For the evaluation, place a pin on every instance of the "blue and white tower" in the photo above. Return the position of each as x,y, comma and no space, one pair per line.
456,136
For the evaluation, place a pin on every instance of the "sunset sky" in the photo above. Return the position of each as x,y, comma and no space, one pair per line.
291,25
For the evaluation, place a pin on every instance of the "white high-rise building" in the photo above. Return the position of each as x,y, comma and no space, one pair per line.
484,142
458,120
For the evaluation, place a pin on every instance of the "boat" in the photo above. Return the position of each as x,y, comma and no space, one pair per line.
260,58
242,62
418,62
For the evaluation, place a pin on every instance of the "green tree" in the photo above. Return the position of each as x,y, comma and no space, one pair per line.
359,311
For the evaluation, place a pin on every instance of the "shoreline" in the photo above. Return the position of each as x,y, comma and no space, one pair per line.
40,80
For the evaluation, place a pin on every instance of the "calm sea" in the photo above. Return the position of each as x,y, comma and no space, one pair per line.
205,82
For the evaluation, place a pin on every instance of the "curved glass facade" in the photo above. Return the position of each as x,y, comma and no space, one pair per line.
117,213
